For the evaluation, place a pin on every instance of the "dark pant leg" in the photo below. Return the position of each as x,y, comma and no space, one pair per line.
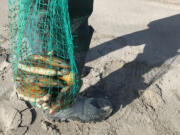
80,10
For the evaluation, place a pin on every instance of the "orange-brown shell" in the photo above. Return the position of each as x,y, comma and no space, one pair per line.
68,78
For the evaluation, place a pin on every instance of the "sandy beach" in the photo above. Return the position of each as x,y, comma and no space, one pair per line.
134,59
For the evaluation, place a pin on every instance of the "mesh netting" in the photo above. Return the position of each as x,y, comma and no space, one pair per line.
42,51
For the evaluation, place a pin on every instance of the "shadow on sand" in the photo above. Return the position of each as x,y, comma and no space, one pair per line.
162,41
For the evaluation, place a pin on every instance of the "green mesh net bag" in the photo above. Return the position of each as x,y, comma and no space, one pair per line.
43,64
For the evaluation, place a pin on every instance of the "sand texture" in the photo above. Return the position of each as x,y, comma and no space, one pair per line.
134,61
